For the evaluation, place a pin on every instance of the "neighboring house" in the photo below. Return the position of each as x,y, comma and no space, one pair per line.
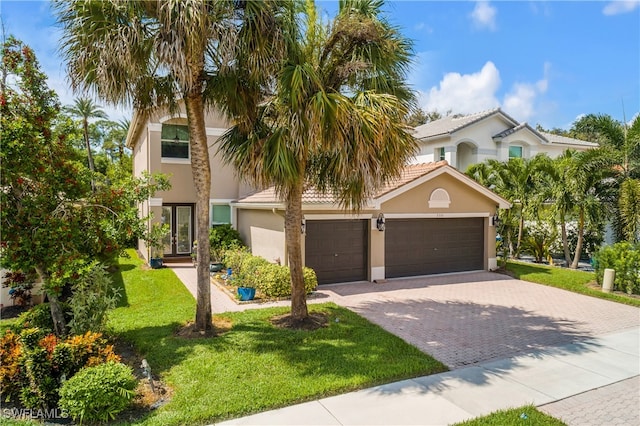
466,140
434,218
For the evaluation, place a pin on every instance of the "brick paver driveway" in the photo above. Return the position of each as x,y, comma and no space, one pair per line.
465,319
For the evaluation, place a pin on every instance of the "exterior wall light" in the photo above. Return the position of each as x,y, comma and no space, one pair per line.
380,222
303,227
495,220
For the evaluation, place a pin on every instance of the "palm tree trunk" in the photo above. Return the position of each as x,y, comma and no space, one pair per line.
565,240
520,232
292,223
85,126
201,170
578,253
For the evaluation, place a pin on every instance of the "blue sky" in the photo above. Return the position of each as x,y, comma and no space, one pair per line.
544,62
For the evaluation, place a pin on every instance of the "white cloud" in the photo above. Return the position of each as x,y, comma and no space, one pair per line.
469,93
484,16
620,6
466,93
520,101
422,27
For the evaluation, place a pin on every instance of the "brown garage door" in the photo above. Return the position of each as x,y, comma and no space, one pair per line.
337,250
433,246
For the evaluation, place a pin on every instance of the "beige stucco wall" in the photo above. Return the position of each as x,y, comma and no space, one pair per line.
263,231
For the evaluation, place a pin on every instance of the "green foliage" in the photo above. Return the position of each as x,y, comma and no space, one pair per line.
98,393
223,238
35,363
93,297
39,317
276,367
624,258
540,240
275,280
233,258
514,417
155,239
566,279
245,276
51,219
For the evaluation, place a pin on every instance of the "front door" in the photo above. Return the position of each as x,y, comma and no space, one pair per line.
179,240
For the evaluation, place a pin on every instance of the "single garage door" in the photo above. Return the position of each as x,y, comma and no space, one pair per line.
433,246
337,250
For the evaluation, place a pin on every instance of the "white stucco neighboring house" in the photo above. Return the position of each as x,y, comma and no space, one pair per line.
491,134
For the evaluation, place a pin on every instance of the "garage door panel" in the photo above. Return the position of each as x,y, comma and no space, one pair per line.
337,250
432,246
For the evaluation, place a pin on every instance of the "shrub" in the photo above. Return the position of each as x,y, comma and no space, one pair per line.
233,258
624,258
93,297
39,317
223,238
10,354
33,364
247,271
98,393
275,281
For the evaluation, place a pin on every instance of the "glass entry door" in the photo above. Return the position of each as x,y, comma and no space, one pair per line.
179,240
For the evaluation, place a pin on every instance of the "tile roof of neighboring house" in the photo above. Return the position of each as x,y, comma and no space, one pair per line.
410,173
563,140
448,125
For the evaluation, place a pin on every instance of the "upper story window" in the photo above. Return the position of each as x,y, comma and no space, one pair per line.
175,141
440,155
515,152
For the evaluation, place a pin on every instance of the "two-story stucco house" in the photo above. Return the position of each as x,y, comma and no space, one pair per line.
474,138
433,219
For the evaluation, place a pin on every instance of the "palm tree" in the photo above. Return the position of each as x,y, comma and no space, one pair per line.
115,138
623,143
563,198
331,117
157,54
85,109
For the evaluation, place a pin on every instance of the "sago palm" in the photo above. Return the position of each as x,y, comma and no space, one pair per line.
331,116
158,53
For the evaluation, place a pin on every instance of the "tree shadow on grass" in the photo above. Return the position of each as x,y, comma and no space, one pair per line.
118,282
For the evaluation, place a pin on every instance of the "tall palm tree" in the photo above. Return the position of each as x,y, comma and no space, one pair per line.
623,143
85,109
330,118
563,198
157,54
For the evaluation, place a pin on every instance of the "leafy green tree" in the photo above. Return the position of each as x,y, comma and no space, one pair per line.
85,109
51,220
330,116
157,54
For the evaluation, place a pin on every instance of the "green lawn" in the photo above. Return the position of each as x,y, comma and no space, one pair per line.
527,415
567,279
254,366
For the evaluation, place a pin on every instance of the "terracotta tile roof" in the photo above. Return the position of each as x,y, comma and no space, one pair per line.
410,173
448,125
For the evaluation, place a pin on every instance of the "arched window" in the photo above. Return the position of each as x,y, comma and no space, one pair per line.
439,199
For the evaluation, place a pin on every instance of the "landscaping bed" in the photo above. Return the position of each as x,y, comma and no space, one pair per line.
253,365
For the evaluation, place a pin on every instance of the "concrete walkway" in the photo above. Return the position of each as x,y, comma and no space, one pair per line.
555,349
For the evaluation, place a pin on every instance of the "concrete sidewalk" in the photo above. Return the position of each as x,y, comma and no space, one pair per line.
538,378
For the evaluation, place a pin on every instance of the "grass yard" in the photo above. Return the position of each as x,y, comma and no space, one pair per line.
254,366
527,415
567,279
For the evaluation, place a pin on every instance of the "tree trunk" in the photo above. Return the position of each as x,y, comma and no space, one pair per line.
520,232
57,314
578,253
201,171
85,125
292,224
565,241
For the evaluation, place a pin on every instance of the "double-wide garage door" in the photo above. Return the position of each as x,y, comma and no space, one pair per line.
337,250
433,246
